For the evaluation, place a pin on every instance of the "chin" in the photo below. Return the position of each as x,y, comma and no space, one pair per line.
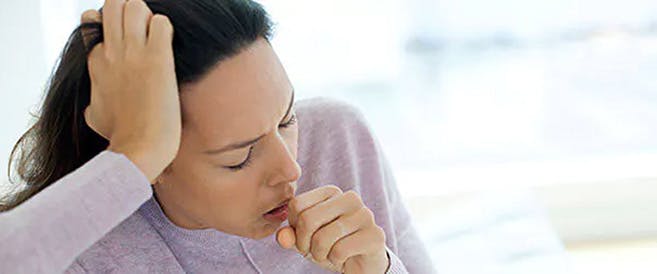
264,232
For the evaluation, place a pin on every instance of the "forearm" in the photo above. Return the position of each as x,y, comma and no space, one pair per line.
48,231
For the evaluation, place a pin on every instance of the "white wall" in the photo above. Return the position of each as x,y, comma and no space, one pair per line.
23,71
32,35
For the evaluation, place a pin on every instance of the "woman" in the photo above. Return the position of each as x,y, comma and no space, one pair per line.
168,143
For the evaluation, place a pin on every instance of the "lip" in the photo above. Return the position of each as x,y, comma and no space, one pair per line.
284,202
277,215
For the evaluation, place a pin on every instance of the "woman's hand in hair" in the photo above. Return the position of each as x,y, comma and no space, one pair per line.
336,231
134,93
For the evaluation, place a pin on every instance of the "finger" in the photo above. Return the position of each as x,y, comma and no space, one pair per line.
286,238
136,17
315,217
89,16
308,199
160,32
113,22
327,236
359,243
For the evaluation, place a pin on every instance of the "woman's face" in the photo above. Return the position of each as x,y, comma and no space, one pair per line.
237,157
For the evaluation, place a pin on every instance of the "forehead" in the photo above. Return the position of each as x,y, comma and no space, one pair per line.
239,99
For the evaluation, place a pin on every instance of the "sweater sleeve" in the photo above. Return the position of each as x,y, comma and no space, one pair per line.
47,232
396,266
75,268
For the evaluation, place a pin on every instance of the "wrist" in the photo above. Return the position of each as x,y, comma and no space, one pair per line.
150,161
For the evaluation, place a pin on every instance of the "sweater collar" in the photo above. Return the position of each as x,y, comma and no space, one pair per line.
227,247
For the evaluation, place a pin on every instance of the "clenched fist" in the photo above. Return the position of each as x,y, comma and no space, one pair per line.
336,231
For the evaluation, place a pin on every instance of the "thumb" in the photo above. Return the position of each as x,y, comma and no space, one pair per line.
286,237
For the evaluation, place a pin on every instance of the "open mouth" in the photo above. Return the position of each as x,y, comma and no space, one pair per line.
280,206
278,209
278,214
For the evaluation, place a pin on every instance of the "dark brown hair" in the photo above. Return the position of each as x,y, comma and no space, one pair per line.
205,33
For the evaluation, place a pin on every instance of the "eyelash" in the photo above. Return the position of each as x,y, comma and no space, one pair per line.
292,121
242,164
247,161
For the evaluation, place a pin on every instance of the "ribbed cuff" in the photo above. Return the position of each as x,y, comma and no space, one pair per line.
396,265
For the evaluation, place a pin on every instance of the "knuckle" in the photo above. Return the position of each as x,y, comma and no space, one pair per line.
367,214
333,190
306,222
315,241
318,246
353,197
380,234
87,15
157,19
293,205
337,255
340,225
161,21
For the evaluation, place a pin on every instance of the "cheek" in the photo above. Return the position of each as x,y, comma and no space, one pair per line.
237,200
292,141
231,202
220,199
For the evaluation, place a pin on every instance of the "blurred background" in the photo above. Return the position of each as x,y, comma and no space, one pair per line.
523,134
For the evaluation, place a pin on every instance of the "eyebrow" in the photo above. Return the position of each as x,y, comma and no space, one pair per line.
244,144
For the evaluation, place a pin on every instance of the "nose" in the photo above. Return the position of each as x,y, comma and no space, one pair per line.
285,168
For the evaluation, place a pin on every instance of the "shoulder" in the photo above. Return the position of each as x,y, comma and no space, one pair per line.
337,146
129,246
321,108
328,115
330,130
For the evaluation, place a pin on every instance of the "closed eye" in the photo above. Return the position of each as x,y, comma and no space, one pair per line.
292,121
244,163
